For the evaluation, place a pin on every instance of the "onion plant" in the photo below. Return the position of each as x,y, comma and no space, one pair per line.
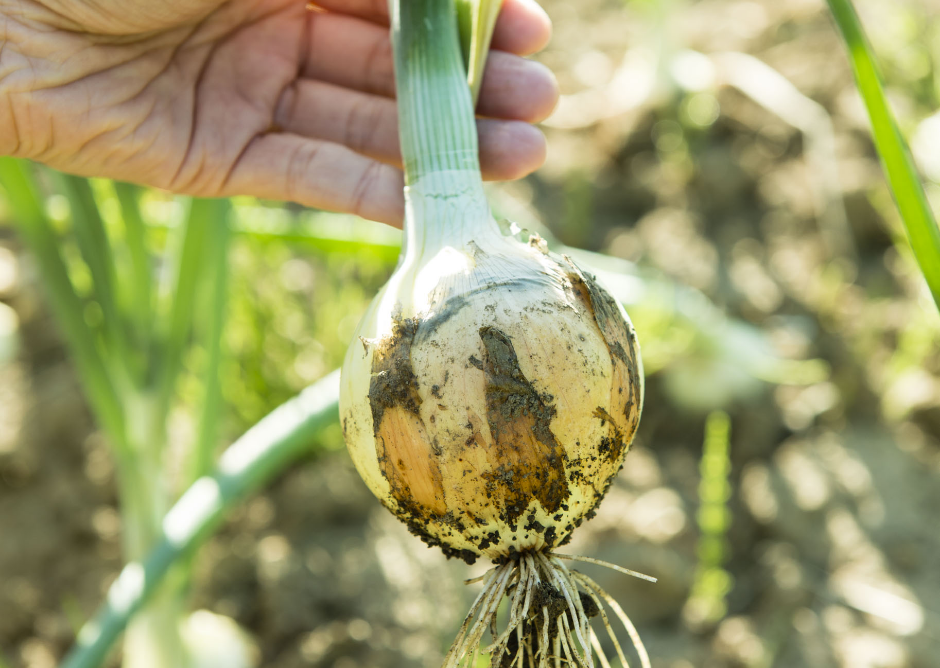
273,444
129,329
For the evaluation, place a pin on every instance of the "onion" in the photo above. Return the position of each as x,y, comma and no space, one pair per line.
493,396
494,388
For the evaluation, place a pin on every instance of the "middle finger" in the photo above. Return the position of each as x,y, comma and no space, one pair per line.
356,54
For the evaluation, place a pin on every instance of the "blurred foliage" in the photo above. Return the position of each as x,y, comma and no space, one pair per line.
295,302
298,283
707,601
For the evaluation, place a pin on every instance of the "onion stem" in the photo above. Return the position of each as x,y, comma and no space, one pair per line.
436,120
444,198
477,20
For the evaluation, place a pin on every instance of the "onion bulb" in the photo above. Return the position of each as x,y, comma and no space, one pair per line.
493,388
492,395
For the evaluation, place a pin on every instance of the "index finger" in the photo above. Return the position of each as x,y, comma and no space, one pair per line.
522,28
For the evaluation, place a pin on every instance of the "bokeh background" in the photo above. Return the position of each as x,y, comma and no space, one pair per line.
719,152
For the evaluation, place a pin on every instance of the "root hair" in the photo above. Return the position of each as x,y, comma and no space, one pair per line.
549,617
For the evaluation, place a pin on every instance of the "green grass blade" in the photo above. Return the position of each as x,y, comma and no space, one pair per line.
32,223
214,325
903,178
135,231
254,459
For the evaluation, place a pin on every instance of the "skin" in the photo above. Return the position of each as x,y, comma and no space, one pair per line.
255,97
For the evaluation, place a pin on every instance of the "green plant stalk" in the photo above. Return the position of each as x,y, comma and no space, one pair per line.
265,450
444,197
153,637
905,183
436,122
141,291
95,246
476,20
143,493
180,292
216,295
32,223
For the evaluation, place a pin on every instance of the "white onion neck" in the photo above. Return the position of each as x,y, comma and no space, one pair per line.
447,208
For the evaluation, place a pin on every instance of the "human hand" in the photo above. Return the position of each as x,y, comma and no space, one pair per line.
256,97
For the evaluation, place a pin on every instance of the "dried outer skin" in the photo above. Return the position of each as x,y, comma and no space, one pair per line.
492,397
